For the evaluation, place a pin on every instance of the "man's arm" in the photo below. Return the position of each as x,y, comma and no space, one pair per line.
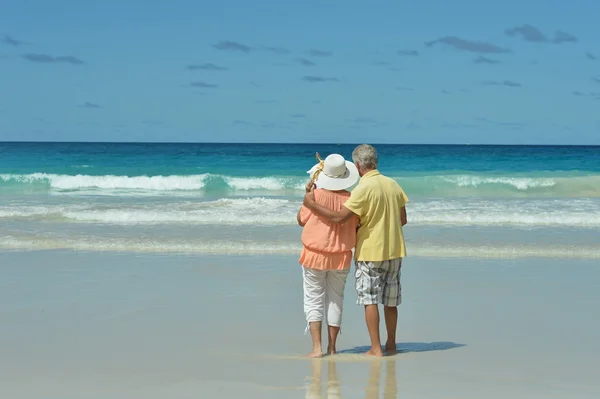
403,219
335,216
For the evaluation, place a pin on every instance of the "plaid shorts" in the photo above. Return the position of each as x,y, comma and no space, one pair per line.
379,282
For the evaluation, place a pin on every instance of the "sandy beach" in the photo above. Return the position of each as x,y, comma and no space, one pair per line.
154,164
123,325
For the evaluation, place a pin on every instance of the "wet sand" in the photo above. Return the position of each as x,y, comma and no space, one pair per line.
122,325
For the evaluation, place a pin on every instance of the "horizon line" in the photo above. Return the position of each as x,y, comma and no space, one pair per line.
291,143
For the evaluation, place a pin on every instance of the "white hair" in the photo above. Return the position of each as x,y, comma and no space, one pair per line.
365,156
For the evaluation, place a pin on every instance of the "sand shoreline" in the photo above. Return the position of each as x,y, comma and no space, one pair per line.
123,325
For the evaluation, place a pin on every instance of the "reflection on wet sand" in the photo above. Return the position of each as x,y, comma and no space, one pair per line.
314,390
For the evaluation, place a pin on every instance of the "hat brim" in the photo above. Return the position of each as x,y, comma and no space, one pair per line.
347,180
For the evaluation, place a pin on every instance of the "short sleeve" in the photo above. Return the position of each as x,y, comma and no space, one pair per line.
403,198
304,214
356,203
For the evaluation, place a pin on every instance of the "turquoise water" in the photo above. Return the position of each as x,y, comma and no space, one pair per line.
219,168
473,200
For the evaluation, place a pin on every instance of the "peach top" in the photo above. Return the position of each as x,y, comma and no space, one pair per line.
327,245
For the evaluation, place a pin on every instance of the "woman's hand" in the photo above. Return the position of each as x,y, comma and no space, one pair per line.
309,197
310,186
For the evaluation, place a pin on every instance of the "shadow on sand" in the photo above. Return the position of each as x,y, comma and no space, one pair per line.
407,347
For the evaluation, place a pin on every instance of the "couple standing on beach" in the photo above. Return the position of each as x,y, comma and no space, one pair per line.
334,220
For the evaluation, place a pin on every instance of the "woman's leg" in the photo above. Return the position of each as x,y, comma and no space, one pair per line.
314,296
334,305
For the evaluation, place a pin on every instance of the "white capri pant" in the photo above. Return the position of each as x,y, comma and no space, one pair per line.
324,295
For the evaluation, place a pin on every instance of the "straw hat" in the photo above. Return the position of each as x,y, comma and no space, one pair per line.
334,173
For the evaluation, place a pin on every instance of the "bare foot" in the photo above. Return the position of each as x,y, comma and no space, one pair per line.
374,352
390,349
316,354
331,351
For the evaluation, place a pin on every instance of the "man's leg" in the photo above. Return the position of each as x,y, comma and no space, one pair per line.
391,321
369,291
314,295
372,319
392,297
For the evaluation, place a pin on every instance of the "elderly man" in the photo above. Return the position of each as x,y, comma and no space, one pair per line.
379,202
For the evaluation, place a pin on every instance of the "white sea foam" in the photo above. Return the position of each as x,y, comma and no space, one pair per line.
178,217
520,183
70,182
184,185
262,183
138,245
279,212
225,211
159,183
520,213
100,244
254,202
152,185
506,251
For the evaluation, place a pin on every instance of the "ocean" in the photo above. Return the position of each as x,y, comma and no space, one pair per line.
465,200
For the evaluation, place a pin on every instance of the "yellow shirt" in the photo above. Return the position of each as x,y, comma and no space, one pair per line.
378,200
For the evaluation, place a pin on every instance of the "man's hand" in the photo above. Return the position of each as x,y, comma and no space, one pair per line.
309,197
403,219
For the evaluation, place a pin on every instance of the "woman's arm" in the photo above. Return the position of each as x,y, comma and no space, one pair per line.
301,223
307,213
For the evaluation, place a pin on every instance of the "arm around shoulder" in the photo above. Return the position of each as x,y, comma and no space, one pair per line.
335,216
343,215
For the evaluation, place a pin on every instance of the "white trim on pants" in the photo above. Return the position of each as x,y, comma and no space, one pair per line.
324,295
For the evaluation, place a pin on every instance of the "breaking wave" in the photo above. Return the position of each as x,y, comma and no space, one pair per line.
203,184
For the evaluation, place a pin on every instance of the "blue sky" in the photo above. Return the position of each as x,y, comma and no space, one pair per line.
433,71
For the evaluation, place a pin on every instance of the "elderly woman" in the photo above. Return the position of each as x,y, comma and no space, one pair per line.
327,250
